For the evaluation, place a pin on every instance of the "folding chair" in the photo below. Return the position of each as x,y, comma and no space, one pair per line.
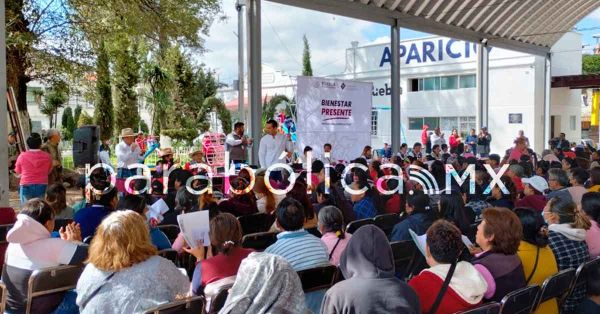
581,274
193,305
319,278
171,231
556,286
259,241
219,300
314,231
61,222
50,281
260,222
386,222
354,225
488,308
170,254
521,301
3,231
404,255
88,239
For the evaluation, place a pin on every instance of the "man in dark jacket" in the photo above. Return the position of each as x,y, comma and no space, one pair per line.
419,219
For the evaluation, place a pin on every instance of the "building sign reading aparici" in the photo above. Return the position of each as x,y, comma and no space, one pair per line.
436,50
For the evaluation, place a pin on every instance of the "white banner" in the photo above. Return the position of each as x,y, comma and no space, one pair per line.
336,112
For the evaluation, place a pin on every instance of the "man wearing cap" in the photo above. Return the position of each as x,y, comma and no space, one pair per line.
51,147
534,189
128,153
483,142
236,144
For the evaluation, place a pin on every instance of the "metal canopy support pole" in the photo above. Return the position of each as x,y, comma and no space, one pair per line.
395,68
254,74
239,6
482,77
547,87
4,179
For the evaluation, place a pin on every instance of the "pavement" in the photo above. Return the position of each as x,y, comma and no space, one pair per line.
73,196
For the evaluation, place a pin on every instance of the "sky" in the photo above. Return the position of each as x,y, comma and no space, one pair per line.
328,35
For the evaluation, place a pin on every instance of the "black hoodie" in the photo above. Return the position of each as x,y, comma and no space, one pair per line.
370,287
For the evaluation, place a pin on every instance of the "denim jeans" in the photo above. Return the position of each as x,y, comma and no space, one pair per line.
29,191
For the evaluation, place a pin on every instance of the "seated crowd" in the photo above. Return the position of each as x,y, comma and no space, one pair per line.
538,218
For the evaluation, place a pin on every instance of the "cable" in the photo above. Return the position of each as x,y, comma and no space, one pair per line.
281,41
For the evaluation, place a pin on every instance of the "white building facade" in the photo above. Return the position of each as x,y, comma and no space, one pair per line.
437,79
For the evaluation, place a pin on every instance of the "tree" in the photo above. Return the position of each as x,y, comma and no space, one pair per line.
67,123
84,119
159,100
591,64
56,97
76,114
144,126
103,111
306,66
125,78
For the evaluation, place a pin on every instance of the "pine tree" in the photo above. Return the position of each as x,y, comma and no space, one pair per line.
103,111
76,114
306,66
125,78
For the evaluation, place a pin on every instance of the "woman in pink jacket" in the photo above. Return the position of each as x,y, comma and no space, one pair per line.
33,166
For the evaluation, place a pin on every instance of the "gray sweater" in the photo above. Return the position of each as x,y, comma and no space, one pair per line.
132,290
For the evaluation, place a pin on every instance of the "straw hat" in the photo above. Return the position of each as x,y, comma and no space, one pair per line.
196,151
165,151
127,132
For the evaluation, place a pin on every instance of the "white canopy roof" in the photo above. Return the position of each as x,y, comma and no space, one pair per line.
531,26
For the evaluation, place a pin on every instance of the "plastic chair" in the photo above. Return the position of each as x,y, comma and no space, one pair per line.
3,231
386,222
259,241
193,305
219,300
260,222
354,225
404,256
581,274
171,231
170,254
48,281
556,286
319,278
521,301
488,308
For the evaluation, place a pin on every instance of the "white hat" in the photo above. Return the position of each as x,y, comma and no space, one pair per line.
127,132
537,183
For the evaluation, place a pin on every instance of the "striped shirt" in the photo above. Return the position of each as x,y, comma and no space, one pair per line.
301,249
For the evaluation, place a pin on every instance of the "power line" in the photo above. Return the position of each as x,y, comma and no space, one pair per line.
281,41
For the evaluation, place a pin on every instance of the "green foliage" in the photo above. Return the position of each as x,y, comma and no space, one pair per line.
270,107
144,126
77,113
215,104
591,64
56,98
67,123
126,77
103,111
181,134
84,119
159,100
306,66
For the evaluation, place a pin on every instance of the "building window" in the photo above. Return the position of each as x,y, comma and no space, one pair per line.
467,81
466,124
432,122
449,82
431,83
448,123
374,122
573,122
415,123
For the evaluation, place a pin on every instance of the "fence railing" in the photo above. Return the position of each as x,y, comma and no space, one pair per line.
179,153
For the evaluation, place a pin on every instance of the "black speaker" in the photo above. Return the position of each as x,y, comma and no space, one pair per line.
85,145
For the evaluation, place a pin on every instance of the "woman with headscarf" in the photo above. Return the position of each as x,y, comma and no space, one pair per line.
265,283
370,285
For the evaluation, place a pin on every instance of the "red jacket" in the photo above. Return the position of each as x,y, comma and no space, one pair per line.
427,286
424,137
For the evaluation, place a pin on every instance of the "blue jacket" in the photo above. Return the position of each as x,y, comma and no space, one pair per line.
418,222
89,218
159,239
